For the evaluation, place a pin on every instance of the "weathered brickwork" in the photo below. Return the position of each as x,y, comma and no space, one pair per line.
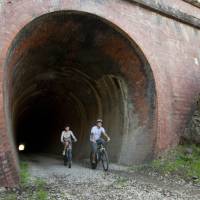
172,49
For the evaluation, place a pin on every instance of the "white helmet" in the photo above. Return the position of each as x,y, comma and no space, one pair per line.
99,120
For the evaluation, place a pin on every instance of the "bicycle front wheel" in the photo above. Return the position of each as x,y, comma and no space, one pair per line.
69,152
104,160
70,164
93,165
65,158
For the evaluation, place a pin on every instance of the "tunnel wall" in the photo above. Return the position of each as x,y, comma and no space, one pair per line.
46,63
171,48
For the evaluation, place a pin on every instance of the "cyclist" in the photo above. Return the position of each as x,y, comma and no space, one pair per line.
66,138
95,137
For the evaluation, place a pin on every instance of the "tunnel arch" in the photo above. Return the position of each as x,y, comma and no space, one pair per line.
121,89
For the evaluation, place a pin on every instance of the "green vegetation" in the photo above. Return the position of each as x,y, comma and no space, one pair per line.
40,190
24,174
35,189
41,193
11,196
120,182
40,183
183,161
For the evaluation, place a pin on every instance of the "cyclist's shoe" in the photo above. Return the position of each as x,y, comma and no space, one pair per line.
63,153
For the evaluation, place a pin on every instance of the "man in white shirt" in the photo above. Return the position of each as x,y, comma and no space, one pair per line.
95,137
66,138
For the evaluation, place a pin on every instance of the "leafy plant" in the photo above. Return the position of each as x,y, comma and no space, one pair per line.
41,194
24,174
183,161
11,197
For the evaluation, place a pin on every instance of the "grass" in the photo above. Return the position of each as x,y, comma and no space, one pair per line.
24,174
121,182
183,162
11,196
40,184
39,193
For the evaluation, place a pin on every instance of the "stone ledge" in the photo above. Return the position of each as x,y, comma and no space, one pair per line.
193,2
168,12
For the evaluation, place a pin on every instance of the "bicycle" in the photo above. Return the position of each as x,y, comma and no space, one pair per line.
101,155
68,156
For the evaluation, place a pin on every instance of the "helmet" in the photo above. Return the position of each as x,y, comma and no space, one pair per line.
99,120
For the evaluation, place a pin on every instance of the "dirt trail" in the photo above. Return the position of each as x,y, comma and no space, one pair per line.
81,182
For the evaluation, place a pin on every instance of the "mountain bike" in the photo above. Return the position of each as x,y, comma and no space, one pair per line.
68,155
100,156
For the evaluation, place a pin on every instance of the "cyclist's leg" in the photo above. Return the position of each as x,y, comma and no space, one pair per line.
70,154
94,150
66,143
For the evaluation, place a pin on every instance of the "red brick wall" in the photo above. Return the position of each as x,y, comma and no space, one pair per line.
170,47
8,159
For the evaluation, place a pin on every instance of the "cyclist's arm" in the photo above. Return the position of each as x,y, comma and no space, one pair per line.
92,138
73,136
61,139
106,135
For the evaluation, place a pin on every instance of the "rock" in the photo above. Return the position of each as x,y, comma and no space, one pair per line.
2,189
188,150
195,177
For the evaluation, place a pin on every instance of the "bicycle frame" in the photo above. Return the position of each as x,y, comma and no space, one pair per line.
68,155
100,148
101,155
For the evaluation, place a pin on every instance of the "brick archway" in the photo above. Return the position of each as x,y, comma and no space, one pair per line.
168,42
10,176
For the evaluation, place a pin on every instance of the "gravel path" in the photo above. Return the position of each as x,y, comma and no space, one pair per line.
120,183
81,182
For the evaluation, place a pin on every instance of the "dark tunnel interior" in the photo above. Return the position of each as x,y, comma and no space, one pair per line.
72,68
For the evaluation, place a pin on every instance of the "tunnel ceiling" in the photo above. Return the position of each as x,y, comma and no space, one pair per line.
70,68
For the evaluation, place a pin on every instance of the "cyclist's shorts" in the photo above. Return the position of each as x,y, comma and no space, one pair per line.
94,145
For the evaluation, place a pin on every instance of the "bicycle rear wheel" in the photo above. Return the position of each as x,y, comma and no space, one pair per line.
104,160
65,159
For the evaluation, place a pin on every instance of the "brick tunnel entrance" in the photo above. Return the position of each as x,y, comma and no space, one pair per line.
72,67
